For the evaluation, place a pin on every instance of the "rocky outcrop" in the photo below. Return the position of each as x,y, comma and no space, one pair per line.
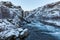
13,33
8,4
11,22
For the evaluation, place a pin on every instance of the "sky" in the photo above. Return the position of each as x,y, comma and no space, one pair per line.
28,5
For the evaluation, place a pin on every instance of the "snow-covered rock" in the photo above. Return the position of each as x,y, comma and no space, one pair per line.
49,12
10,22
19,32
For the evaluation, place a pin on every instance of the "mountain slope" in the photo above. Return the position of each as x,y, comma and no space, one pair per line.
49,13
10,22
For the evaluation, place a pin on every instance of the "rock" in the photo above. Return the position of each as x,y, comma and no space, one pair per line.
5,13
8,4
10,28
13,33
16,7
24,33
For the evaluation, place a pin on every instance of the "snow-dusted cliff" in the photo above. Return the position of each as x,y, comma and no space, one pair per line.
49,13
10,22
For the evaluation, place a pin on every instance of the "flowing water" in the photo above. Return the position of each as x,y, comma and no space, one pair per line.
39,31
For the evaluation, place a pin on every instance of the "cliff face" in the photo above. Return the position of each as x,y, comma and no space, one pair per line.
10,22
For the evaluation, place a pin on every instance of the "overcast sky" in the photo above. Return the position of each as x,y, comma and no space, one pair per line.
30,4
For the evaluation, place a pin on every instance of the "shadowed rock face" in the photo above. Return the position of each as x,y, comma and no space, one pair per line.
8,4
5,12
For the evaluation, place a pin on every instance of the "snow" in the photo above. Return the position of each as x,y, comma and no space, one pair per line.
56,22
10,27
20,29
15,32
12,32
24,32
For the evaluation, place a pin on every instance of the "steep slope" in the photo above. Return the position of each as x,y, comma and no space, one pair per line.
10,22
49,14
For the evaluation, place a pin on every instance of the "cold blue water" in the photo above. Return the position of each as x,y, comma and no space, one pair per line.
39,31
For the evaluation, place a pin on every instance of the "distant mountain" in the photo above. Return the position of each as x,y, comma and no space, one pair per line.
49,14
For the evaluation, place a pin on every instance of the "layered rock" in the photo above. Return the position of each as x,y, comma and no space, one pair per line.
10,22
